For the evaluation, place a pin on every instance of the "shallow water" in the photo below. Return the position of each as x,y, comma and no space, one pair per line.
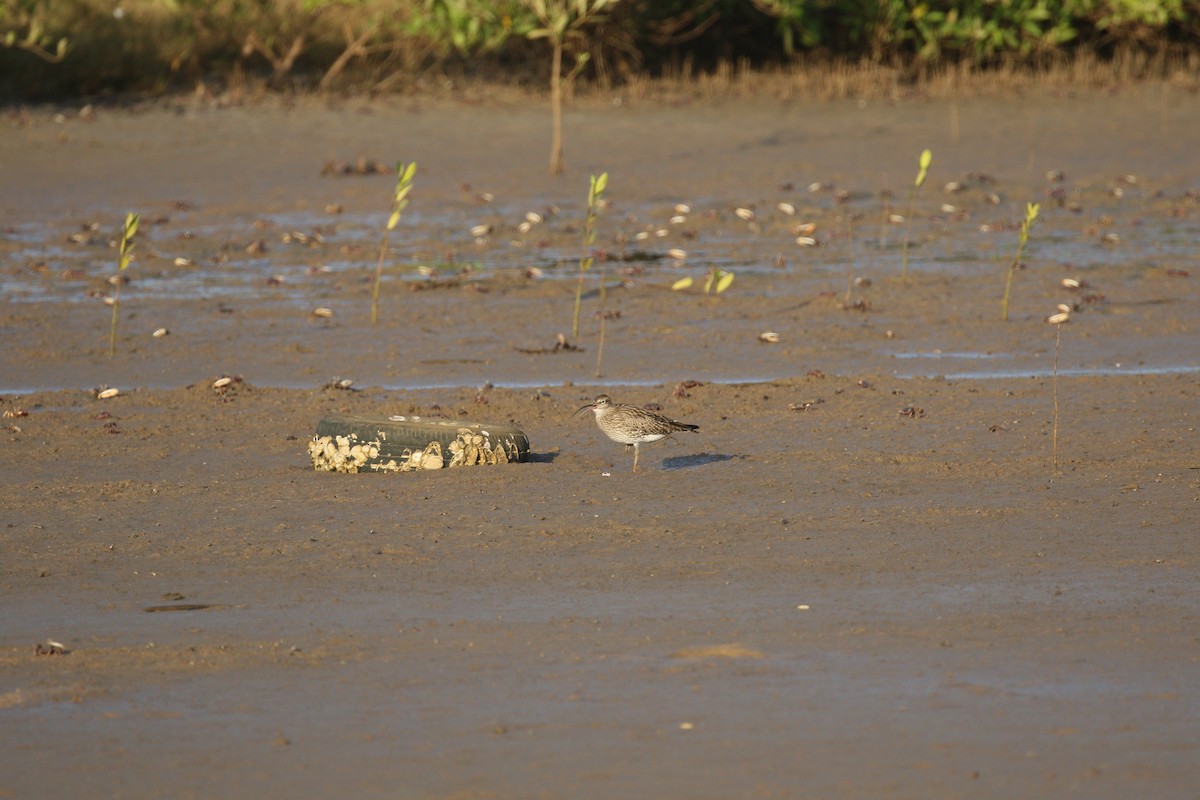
712,237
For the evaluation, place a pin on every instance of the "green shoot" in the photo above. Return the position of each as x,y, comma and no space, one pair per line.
922,168
1031,212
595,194
718,280
404,179
125,255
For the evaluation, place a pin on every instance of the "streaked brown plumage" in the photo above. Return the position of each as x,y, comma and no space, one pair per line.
632,426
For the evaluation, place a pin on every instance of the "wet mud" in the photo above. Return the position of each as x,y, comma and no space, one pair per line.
913,551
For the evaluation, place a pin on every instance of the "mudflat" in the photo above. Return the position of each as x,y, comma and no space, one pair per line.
914,550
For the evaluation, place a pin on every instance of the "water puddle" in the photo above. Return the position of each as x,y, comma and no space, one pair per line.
1115,371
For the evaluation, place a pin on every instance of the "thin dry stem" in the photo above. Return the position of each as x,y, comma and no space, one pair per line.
557,165
603,315
383,241
1054,383
112,333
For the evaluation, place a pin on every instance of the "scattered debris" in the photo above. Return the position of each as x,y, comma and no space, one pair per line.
561,345
360,167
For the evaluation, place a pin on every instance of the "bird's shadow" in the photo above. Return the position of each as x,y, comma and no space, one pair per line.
696,460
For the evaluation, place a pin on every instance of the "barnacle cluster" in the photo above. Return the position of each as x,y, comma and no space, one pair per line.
348,454
470,448
345,454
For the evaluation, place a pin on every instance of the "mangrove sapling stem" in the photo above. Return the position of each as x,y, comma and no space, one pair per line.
923,163
562,22
404,179
596,188
125,255
850,267
1057,320
603,316
1054,382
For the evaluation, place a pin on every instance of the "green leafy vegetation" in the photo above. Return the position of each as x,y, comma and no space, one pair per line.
23,26
56,48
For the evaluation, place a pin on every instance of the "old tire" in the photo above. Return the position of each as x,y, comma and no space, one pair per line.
347,443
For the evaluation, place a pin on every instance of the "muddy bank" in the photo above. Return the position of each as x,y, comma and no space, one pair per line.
864,575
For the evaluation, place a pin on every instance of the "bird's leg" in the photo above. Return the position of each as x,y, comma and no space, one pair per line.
635,455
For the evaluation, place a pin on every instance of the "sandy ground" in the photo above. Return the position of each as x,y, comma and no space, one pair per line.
863,577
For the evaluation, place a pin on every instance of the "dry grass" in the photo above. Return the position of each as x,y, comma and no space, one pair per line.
824,81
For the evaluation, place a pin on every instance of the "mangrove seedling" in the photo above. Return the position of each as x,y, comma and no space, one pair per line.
1031,212
715,282
125,255
595,193
718,280
562,22
404,179
922,168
